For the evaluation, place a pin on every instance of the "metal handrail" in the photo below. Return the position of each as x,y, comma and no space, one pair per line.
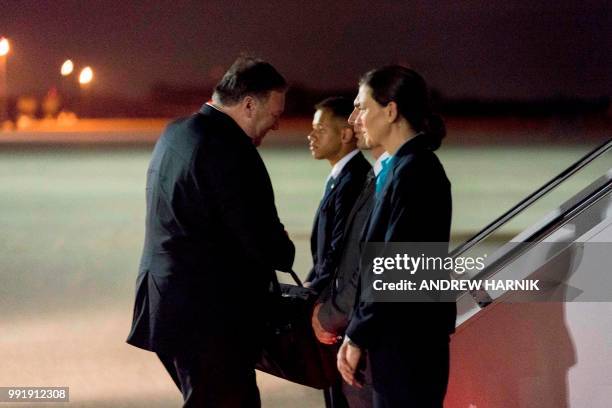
481,296
533,197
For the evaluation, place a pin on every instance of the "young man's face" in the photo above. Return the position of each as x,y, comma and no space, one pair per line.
325,139
267,115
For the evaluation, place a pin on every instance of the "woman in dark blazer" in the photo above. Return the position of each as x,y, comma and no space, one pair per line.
407,342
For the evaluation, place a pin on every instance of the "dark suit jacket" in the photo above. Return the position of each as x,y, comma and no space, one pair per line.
330,220
415,206
338,299
212,241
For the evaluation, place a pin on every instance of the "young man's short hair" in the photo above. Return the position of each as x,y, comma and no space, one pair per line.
339,106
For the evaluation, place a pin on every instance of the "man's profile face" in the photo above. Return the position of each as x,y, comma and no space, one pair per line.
325,138
267,115
357,130
370,117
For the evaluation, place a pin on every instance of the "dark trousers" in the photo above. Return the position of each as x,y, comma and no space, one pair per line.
213,379
342,395
360,397
334,397
409,374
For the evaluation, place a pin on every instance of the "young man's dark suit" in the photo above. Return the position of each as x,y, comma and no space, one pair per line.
330,220
213,240
338,299
327,237
407,343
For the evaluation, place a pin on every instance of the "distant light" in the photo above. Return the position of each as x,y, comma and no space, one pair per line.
4,47
67,68
86,76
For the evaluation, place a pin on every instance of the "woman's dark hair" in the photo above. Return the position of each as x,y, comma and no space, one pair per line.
409,91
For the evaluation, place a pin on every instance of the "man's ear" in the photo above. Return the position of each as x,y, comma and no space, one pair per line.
391,112
249,104
347,135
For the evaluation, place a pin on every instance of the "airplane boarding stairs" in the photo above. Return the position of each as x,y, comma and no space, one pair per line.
552,347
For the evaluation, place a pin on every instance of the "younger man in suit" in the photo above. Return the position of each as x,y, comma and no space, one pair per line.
333,139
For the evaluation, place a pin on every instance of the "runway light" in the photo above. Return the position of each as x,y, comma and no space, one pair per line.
86,76
4,47
67,68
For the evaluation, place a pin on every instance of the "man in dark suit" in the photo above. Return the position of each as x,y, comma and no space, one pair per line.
333,139
213,241
335,304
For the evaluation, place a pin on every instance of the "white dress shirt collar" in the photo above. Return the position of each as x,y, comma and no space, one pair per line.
214,107
378,163
337,169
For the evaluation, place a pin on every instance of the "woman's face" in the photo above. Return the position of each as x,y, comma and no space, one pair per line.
371,117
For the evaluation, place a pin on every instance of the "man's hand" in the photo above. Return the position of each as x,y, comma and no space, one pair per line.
323,336
348,360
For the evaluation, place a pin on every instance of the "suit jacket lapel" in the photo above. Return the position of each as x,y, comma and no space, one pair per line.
331,193
363,197
341,177
315,225
328,194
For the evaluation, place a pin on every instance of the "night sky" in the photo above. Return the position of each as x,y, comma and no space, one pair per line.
479,48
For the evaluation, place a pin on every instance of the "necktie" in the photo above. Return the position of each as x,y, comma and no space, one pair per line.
370,180
329,185
382,176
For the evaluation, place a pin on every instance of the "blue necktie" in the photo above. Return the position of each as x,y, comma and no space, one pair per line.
382,176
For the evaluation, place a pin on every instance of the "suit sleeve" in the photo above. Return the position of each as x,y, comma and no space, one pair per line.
336,307
325,268
311,275
242,189
362,327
